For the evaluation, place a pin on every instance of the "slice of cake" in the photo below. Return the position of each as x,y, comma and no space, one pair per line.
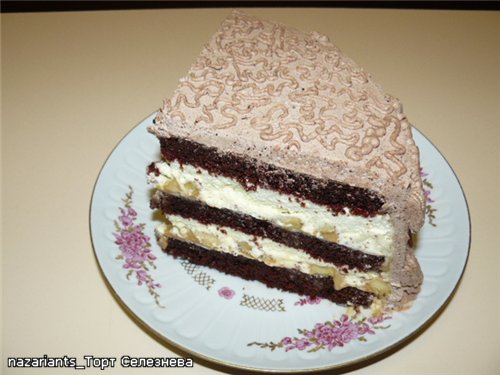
283,162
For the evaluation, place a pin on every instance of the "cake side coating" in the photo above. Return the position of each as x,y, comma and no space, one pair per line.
293,99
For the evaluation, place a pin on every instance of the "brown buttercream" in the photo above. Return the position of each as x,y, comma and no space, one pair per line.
293,99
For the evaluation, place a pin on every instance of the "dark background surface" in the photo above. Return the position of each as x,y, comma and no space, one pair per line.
64,5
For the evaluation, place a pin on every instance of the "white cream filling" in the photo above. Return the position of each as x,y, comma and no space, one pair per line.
373,235
230,241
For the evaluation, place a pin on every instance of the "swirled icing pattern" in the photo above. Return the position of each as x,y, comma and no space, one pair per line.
294,92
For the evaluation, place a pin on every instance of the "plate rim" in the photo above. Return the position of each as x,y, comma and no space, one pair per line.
359,362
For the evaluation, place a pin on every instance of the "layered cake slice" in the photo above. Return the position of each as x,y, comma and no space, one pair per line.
283,162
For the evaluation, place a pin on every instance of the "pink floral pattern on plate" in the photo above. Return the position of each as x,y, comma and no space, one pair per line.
328,335
226,292
338,333
135,247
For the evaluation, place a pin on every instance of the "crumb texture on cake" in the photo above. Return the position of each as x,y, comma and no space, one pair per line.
324,250
368,234
275,277
215,238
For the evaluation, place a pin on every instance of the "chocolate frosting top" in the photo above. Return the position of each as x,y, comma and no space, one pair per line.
293,99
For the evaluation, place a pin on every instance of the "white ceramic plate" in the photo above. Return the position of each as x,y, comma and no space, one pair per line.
244,324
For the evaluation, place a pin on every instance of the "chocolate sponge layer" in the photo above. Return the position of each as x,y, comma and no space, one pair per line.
251,174
331,252
275,277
